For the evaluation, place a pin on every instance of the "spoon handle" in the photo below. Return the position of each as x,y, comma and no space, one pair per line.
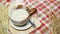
32,24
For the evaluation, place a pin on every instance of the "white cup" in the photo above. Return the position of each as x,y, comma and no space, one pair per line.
22,21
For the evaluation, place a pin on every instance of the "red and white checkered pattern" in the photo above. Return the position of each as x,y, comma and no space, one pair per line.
44,7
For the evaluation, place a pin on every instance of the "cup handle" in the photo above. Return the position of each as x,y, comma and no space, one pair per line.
33,10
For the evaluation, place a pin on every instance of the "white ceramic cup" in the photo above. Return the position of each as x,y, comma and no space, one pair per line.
23,21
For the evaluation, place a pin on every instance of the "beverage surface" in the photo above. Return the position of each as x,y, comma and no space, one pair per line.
19,14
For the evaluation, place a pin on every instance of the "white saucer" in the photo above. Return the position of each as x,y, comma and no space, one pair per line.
28,25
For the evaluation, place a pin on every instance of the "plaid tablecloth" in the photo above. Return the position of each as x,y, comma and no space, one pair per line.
44,7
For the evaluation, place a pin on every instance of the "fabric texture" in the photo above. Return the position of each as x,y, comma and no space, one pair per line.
44,7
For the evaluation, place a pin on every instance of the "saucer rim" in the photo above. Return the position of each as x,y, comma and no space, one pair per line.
20,28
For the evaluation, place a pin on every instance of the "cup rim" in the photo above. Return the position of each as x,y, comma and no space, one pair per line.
18,20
